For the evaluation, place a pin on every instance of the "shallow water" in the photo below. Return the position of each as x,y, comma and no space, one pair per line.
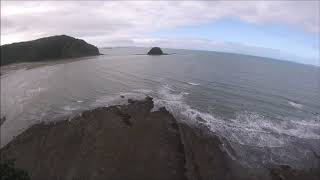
268,111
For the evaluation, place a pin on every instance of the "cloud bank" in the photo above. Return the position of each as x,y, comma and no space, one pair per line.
126,22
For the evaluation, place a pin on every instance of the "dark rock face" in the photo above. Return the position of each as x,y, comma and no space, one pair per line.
117,142
2,120
284,172
155,51
206,158
54,47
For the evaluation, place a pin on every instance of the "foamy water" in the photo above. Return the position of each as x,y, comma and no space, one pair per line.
193,84
296,105
252,131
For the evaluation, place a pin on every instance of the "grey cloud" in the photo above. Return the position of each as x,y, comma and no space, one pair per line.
87,19
109,22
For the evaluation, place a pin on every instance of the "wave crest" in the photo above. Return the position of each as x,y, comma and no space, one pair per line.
277,141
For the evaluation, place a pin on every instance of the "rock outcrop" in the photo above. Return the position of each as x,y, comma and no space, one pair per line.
155,51
284,172
129,142
117,142
54,47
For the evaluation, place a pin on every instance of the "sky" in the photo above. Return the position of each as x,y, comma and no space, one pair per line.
288,30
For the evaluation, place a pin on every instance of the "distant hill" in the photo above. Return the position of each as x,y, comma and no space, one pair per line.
53,47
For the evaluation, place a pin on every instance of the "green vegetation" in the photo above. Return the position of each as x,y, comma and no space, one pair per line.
54,47
9,172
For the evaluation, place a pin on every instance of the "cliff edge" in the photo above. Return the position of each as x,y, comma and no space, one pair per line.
129,142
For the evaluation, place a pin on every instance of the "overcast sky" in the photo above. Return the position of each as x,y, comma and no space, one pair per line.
279,29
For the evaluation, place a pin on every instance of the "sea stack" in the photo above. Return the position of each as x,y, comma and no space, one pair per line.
53,47
155,51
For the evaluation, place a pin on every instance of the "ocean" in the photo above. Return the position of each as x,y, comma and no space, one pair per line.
265,111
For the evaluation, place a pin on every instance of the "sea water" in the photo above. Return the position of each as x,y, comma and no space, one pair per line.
265,111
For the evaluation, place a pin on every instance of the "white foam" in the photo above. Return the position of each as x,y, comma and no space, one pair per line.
69,108
166,93
120,99
193,84
144,91
35,90
295,105
248,129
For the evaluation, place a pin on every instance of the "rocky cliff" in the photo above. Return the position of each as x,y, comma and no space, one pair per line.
130,142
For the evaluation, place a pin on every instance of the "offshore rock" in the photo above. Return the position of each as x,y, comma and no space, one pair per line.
155,51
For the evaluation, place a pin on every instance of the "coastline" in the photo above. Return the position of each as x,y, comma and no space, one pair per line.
130,142
4,69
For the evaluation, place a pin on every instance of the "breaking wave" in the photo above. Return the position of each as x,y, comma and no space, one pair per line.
295,105
253,139
193,84
275,141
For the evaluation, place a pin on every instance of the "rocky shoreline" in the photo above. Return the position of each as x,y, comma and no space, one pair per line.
131,142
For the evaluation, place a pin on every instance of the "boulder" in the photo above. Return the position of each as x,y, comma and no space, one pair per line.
155,51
